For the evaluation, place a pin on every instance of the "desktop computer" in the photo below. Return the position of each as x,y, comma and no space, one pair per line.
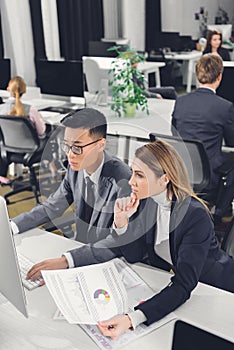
11,285
63,78
11,282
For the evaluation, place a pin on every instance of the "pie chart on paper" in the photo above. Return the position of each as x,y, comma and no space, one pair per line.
101,296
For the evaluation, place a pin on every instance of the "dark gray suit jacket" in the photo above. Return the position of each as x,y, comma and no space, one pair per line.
204,116
113,183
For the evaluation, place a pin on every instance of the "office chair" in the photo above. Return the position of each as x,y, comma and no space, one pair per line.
228,240
194,156
20,144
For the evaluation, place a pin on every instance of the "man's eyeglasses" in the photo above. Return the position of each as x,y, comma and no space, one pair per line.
75,149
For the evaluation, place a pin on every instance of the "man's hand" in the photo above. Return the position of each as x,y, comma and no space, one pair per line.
124,209
50,264
115,326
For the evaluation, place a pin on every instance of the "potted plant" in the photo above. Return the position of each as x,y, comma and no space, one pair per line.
127,82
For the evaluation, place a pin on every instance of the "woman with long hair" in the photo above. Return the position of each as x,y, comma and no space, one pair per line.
164,224
172,228
214,45
15,107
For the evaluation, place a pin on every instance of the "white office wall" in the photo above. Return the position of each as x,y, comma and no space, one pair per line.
17,38
178,15
111,19
133,21
51,29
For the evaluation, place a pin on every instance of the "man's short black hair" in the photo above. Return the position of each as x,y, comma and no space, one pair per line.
87,118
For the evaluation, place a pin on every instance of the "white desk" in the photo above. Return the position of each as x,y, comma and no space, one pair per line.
208,307
189,58
159,119
105,63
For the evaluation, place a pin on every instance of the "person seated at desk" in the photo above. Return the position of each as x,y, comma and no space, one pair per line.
204,116
93,180
214,45
167,92
163,224
13,106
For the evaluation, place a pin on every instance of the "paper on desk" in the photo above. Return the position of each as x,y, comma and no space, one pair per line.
106,343
88,294
138,291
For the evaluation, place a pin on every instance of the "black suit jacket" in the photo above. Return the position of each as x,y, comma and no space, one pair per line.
224,53
207,117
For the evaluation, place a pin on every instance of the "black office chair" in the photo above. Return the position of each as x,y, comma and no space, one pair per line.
20,144
228,240
194,156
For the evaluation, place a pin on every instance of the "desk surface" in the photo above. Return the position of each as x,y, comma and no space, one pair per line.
185,56
106,63
208,307
159,119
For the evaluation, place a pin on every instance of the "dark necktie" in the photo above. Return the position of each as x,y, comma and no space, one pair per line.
89,202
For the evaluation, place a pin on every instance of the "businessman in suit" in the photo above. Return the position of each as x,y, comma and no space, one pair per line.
207,117
93,180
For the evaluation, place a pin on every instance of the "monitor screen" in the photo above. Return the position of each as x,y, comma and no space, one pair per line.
11,285
5,76
62,78
170,40
225,29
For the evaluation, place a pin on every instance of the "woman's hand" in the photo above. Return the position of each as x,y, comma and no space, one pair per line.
115,326
124,209
50,264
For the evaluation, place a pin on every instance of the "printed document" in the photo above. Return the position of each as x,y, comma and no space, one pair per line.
89,294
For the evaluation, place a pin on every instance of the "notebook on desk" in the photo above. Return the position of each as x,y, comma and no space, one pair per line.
189,337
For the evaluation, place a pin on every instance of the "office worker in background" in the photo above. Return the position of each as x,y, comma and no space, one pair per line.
204,116
214,45
162,224
167,92
93,180
13,106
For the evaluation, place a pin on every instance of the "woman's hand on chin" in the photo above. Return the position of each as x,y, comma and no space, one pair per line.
124,208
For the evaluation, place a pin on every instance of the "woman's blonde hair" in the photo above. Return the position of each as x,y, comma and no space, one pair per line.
17,89
162,158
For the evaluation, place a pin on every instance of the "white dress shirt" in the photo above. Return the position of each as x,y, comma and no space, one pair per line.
161,244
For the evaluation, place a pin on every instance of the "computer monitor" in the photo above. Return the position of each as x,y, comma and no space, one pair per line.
225,29
10,279
100,49
61,78
169,40
187,336
225,88
5,69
